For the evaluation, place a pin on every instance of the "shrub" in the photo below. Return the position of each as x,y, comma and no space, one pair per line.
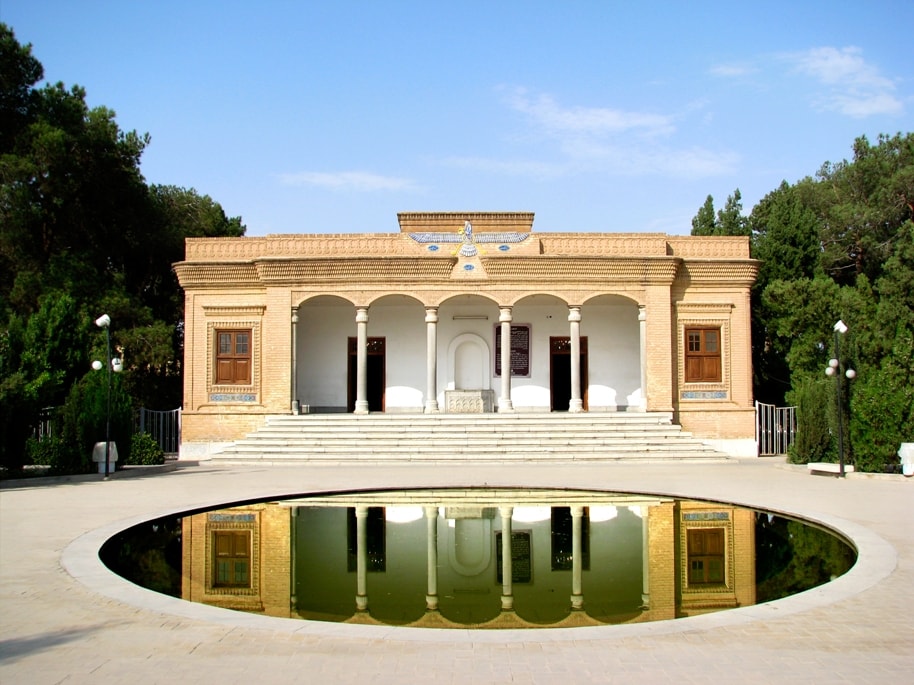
814,441
84,418
145,451
51,452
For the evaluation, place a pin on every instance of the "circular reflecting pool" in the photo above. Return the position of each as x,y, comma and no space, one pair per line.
479,558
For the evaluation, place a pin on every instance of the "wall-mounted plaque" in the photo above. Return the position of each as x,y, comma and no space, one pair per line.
520,349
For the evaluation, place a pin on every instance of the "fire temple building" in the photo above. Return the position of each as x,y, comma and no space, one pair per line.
426,321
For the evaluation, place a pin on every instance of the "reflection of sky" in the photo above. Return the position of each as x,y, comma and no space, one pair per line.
603,513
403,514
521,514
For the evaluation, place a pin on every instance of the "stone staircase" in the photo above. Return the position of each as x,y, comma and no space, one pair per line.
491,437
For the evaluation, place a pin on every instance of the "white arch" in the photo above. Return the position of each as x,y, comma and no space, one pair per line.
468,360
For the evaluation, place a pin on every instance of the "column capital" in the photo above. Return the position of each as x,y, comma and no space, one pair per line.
574,314
431,315
361,314
504,315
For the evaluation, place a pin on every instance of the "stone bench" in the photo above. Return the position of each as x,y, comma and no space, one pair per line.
828,467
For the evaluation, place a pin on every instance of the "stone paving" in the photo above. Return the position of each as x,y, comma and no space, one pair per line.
65,619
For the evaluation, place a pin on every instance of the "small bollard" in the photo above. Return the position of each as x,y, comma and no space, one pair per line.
906,452
98,455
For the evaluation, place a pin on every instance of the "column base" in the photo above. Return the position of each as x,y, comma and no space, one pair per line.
361,407
505,406
575,406
431,407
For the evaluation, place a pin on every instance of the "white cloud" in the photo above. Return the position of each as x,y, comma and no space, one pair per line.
853,86
545,112
606,140
360,181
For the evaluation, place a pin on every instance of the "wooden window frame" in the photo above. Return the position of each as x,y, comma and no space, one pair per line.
703,365
706,557
232,561
233,367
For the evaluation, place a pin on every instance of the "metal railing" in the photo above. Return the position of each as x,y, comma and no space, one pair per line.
48,424
164,426
775,428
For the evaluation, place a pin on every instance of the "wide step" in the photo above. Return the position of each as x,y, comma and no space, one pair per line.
469,437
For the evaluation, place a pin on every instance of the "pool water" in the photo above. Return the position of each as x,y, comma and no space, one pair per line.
479,558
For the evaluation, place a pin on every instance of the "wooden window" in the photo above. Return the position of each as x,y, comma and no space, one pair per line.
233,357
706,556
232,558
702,355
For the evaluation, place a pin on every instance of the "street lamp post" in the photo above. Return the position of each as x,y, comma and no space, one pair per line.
104,321
834,369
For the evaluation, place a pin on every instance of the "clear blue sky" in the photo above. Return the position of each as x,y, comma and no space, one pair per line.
597,116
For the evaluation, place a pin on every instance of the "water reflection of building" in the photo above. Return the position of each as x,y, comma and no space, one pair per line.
440,558
238,558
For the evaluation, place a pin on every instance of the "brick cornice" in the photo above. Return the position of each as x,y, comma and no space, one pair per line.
732,273
566,269
351,271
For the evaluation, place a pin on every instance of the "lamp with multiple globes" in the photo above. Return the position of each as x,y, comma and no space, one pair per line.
834,369
116,365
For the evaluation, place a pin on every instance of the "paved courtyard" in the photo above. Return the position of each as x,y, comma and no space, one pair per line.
65,619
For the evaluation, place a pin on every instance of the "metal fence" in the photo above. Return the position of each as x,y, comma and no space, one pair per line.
164,426
48,424
775,428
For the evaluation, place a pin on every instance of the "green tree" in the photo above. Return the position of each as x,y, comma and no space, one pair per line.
81,234
730,219
703,223
19,71
841,246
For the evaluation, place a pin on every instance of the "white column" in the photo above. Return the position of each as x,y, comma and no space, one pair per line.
642,336
576,404
504,402
296,407
431,528
577,559
431,360
361,388
507,572
361,556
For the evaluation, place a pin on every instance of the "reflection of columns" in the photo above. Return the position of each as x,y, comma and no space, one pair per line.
507,572
645,558
504,402
296,407
431,360
574,319
361,388
431,528
642,336
361,556
577,558
293,560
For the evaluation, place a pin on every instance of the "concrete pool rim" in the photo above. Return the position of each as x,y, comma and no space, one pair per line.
876,560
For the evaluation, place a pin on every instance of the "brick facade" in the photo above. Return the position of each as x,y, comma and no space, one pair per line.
263,284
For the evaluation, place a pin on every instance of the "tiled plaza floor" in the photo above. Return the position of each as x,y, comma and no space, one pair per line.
65,619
